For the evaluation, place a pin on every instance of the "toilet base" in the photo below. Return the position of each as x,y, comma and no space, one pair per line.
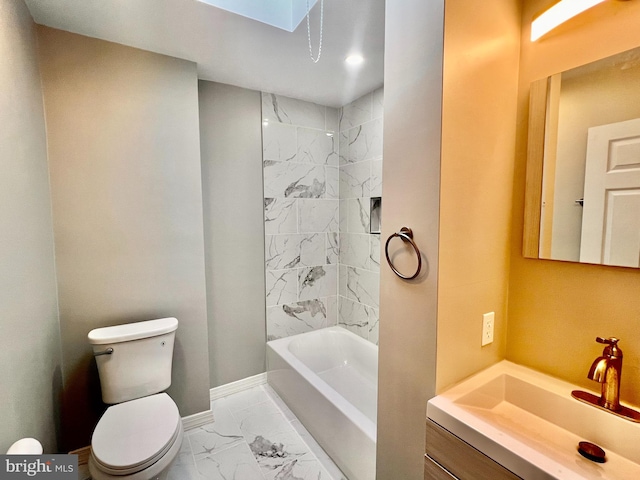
157,471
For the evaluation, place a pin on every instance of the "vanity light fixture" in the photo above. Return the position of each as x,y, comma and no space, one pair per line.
558,14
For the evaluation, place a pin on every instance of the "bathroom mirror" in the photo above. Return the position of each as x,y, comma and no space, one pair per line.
582,201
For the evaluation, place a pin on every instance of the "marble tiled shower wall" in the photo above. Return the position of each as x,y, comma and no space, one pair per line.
360,150
321,167
301,208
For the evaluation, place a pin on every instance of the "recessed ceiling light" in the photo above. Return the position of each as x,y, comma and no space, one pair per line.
355,59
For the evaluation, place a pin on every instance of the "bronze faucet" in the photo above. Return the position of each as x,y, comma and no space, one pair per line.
607,370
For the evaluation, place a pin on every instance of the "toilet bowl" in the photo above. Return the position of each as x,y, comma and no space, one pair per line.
25,446
140,434
136,440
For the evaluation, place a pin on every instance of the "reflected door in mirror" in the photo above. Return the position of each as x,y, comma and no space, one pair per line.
611,216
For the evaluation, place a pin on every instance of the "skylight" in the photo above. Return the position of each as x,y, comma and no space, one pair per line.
284,14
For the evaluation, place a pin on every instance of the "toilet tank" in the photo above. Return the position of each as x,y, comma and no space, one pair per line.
134,360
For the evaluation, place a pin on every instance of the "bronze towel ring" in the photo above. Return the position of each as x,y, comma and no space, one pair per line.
406,234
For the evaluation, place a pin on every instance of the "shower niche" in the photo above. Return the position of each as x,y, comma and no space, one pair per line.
375,215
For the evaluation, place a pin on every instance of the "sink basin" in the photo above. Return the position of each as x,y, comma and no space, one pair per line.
529,423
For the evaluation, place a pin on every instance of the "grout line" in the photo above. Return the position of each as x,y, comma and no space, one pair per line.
359,303
296,126
193,457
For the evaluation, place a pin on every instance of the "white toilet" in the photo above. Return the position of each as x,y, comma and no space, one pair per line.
139,436
25,446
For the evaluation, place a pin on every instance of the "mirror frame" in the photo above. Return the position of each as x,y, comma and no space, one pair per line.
535,158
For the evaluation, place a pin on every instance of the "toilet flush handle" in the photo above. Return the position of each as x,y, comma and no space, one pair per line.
108,351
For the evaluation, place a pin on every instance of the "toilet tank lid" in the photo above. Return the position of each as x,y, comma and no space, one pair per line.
132,331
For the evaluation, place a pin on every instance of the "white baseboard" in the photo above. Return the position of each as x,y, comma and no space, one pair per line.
197,420
238,386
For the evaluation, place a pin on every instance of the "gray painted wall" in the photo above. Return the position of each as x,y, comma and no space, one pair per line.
30,377
231,149
124,153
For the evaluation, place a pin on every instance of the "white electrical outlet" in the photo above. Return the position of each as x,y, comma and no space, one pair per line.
487,328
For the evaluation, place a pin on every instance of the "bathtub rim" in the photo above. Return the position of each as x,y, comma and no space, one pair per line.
360,420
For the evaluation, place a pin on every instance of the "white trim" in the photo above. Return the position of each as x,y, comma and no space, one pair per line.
197,420
238,386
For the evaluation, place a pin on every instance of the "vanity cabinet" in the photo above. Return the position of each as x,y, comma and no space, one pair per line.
449,458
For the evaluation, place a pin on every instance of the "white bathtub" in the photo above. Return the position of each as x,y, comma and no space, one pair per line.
328,378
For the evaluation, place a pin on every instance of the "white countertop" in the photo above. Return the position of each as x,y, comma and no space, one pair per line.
529,423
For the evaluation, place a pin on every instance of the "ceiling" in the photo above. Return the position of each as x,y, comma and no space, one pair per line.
232,49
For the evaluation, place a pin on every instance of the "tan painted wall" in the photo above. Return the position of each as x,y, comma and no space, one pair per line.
30,360
231,149
557,309
124,155
481,50
411,171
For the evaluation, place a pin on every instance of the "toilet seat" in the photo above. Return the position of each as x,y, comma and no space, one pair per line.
133,435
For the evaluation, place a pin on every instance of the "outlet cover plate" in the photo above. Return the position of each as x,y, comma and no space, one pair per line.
488,320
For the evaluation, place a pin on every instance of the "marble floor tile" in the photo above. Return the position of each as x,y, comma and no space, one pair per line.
184,467
235,462
255,436
305,468
242,400
324,459
263,418
283,407
213,437
272,439
276,451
